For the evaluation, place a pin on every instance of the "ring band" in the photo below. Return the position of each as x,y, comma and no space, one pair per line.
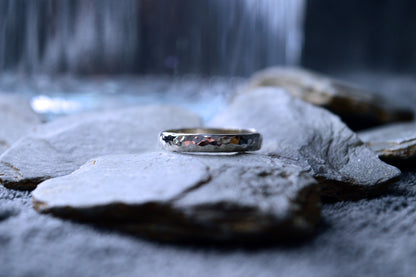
210,140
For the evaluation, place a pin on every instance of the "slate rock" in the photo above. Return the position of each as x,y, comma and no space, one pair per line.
357,107
180,197
62,146
312,138
393,142
17,118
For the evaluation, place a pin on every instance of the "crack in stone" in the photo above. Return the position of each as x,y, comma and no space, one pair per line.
195,187
50,145
12,167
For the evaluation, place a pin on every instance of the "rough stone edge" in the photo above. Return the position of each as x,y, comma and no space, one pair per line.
401,153
376,113
286,230
31,183
26,185
337,191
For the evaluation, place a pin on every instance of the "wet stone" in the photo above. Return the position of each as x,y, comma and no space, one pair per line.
393,143
357,107
62,146
312,138
17,118
179,197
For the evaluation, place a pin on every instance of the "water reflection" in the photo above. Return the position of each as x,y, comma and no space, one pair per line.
60,95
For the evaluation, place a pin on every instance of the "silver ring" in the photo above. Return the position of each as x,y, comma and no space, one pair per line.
210,140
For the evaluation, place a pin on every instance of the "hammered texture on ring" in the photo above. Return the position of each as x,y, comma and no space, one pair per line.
210,140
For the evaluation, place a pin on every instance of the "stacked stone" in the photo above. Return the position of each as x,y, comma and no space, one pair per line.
106,168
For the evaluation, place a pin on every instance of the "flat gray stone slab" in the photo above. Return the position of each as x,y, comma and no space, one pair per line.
393,142
180,197
312,138
62,146
357,107
17,118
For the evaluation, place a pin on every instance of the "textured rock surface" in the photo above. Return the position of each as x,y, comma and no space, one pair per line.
373,237
178,197
311,137
365,238
357,107
16,117
392,143
60,147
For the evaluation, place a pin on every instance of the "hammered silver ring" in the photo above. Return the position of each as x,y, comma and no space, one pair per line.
210,140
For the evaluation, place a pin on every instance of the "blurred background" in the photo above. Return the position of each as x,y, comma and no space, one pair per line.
69,55
376,35
150,36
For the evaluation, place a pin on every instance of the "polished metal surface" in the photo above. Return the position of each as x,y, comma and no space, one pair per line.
210,140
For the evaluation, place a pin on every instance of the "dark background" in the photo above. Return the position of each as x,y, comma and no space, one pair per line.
370,34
